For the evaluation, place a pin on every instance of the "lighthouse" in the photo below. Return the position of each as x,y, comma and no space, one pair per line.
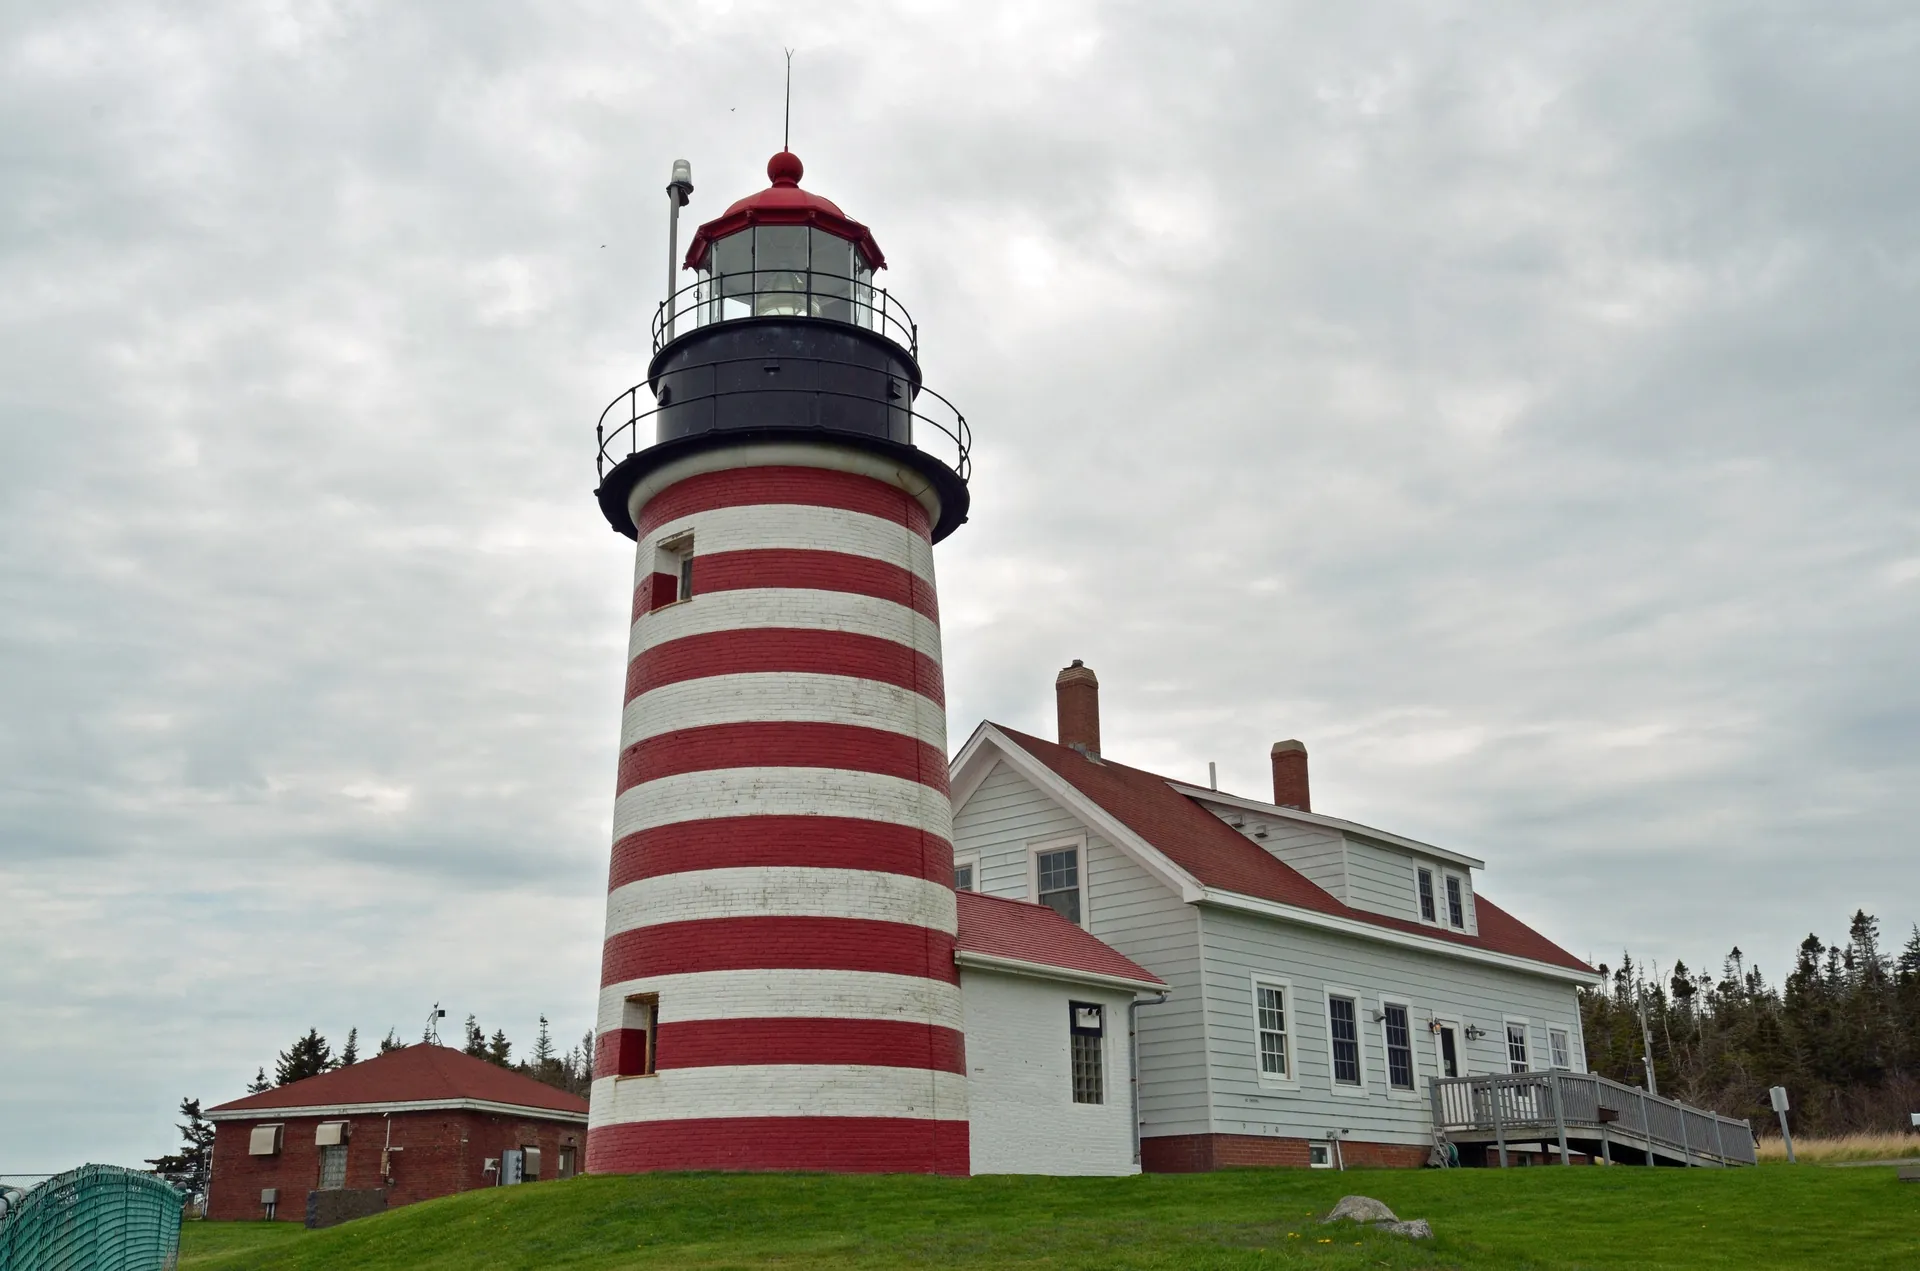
778,987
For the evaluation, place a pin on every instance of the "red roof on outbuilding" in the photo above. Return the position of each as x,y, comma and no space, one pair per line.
1220,856
413,1074
1026,932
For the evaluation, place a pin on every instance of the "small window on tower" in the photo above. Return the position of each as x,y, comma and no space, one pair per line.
673,571
634,1044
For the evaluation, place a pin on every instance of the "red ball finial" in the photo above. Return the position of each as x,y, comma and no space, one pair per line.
785,168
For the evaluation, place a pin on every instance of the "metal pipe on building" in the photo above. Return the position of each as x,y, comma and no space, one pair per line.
1133,1060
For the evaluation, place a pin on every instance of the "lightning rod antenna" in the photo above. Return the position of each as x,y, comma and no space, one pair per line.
786,126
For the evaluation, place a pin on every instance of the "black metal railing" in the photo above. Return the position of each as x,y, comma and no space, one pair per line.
621,430
785,293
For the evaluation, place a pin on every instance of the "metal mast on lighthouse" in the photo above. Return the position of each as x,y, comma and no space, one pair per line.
778,984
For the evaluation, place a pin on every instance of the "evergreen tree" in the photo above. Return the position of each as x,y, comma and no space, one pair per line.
499,1048
476,1040
390,1043
309,1056
259,1084
350,1053
543,1045
187,1168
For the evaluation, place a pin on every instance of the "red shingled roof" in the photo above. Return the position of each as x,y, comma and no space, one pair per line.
1026,932
1220,856
414,1074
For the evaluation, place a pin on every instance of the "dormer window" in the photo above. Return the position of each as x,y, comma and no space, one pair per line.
1427,913
1456,903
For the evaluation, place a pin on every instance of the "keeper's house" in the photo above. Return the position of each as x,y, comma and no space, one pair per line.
409,1125
1320,971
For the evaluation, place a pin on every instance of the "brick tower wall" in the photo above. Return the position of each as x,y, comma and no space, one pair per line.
782,857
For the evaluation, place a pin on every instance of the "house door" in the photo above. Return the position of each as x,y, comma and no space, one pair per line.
1446,1048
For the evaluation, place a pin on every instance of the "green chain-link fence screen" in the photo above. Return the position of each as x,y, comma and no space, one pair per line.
95,1218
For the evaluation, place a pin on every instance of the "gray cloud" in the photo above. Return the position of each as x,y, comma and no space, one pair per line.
1517,407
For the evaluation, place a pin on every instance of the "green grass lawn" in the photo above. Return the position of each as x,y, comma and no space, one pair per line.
1775,1216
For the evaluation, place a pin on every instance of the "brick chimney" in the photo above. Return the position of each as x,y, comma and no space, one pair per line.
1289,775
1076,692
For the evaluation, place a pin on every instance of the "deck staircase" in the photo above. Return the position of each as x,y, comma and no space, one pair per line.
1560,1114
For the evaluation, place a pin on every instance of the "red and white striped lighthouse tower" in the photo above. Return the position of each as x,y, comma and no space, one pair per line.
778,984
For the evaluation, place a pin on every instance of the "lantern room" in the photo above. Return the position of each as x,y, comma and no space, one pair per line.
783,331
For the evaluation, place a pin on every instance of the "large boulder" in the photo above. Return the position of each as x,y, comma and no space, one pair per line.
1360,1209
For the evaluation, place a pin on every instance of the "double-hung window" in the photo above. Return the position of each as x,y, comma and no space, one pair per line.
1085,1033
1057,881
1427,912
965,872
1343,1030
1517,1047
1399,1046
1456,903
1270,1028
1557,1046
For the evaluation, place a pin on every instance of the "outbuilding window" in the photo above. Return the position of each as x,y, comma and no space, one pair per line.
1517,1047
1399,1046
1085,1034
333,1167
1270,1028
1344,1031
1058,877
264,1140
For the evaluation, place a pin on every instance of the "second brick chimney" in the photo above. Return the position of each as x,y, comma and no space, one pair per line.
1290,776
1076,692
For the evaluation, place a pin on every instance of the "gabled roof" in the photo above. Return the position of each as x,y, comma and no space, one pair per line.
1020,935
1218,857
422,1074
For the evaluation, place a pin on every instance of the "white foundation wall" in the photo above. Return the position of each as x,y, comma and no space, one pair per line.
1020,1090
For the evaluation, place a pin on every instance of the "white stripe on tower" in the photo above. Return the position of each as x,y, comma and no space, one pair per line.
781,878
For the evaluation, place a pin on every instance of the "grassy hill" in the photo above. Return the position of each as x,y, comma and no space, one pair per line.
1774,1216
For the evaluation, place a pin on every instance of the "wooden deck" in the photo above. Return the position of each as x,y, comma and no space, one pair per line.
1565,1113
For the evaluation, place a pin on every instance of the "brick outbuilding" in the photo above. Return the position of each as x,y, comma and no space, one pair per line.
416,1123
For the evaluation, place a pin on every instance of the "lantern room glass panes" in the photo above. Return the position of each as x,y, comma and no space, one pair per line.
787,271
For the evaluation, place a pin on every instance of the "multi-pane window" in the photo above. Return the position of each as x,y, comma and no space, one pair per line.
1426,896
1343,1026
1399,1048
1557,1044
963,875
333,1167
1456,903
1059,879
1085,1031
1270,1009
1517,1047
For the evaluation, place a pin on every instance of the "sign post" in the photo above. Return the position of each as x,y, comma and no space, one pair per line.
1779,1094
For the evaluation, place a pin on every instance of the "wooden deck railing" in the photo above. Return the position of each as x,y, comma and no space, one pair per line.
1531,1106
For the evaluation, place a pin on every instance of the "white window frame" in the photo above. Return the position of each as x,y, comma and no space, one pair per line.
1506,1046
1291,1006
1039,847
1438,889
1446,898
1324,1153
1564,1061
1405,1002
972,862
1360,1030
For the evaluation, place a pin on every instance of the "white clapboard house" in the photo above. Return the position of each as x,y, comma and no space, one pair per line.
1319,972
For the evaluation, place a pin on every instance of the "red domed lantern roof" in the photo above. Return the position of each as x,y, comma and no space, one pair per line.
785,203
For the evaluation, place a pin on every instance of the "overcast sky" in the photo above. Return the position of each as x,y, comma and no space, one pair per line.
1518,407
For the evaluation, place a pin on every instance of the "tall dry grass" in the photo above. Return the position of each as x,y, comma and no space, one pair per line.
1884,1146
